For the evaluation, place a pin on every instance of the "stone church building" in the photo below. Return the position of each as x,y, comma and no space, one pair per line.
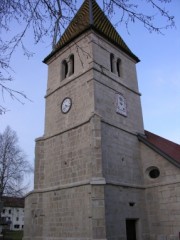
98,173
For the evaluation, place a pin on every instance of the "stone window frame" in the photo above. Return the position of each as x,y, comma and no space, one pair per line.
112,62
115,65
71,64
64,69
67,67
153,172
118,66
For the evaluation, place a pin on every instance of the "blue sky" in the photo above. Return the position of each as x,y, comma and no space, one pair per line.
158,76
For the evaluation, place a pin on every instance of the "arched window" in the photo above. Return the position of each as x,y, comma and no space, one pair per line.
64,69
71,65
112,62
118,65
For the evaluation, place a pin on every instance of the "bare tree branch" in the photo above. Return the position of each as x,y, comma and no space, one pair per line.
44,18
131,12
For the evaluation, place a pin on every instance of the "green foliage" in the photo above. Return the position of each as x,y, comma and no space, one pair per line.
13,235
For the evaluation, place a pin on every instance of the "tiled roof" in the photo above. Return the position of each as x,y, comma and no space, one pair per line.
13,202
91,16
163,146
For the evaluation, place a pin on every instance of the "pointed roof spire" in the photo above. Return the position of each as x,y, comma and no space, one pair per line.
91,16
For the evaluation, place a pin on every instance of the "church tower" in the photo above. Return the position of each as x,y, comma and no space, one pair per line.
88,177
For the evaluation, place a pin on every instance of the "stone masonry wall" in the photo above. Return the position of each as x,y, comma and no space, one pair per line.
69,157
39,173
101,50
124,203
67,203
80,90
67,213
162,196
121,159
109,84
121,156
77,86
34,217
59,214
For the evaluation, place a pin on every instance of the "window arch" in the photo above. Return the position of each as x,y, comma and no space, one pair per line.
118,65
71,64
112,62
64,69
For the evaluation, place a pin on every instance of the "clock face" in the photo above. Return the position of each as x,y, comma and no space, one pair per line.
66,105
121,106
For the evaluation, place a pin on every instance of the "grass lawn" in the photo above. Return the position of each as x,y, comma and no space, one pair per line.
13,235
